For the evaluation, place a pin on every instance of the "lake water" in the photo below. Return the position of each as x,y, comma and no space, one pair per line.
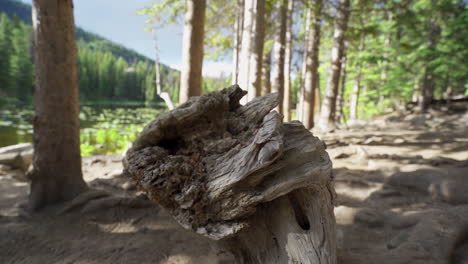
104,130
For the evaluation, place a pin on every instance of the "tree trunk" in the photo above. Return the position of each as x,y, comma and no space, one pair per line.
328,110
238,28
194,30
428,84
246,49
353,111
266,87
163,95
239,175
312,64
250,74
341,90
57,175
287,63
300,92
256,57
279,53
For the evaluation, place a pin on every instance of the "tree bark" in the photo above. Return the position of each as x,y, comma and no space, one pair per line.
250,74
256,57
341,90
238,29
287,63
194,30
353,109
163,95
300,92
328,110
266,71
312,64
238,175
57,174
279,53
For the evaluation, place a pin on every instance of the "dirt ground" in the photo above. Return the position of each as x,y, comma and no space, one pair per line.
402,197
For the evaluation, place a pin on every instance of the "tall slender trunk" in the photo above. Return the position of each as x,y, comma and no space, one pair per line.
256,57
279,53
353,112
328,110
300,92
266,87
156,63
312,64
428,84
194,30
384,73
287,63
248,23
250,72
164,95
341,90
57,174
238,28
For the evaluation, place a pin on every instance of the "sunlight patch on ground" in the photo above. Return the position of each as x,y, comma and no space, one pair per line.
356,193
120,228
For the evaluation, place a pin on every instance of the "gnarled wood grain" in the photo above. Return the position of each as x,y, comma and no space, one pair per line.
239,174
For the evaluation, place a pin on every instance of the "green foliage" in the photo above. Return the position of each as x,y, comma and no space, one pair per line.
399,49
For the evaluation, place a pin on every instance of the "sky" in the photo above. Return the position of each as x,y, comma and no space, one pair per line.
117,21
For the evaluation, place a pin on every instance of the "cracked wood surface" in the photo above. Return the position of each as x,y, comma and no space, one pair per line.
227,171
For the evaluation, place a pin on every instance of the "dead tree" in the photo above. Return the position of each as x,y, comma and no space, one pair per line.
239,175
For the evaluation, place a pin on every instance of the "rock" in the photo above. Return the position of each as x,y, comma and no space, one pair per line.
341,156
26,160
399,141
418,180
17,160
16,148
128,186
8,158
373,140
4,169
18,175
345,215
398,240
452,191
418,121
369,217
403,221
114,174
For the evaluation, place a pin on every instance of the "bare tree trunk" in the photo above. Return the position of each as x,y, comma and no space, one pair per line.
246,46
384,74
256,56
57,174
260,187
279,53
238,29
287,63
353,111
194,30
165,96
250,74
266,87
328,110
428,84
341,90
312,64
300,92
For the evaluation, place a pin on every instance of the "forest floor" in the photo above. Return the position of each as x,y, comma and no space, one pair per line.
402,197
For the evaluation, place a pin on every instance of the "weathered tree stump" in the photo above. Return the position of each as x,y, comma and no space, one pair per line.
239,175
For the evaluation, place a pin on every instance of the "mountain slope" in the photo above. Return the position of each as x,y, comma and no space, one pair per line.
23,12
